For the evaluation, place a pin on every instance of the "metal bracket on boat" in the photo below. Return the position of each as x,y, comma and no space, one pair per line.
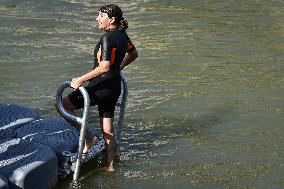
70,159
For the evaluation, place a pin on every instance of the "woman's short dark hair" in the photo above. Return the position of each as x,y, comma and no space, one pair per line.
113,10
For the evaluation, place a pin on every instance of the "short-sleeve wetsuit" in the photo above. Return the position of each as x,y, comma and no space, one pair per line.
104,90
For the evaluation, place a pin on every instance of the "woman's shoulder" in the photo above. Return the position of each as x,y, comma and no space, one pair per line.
105,37
113,33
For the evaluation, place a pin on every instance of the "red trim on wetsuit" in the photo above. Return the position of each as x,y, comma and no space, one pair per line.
130,46
112,56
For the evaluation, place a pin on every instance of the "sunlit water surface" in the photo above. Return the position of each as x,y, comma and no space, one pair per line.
205,104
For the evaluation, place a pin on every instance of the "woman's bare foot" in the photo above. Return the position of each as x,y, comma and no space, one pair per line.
89,142
109,168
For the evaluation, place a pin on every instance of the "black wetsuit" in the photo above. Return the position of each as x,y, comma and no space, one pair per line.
104,90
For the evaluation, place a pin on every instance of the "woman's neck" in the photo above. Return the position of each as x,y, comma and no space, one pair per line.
111,27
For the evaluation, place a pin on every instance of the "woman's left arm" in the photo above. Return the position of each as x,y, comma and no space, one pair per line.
102,68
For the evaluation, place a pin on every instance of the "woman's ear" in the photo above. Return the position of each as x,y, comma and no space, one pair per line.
112,20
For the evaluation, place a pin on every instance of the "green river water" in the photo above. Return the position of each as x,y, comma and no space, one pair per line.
205,106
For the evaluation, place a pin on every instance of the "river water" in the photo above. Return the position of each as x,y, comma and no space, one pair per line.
205,105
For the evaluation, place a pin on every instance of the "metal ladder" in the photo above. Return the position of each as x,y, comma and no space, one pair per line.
72,161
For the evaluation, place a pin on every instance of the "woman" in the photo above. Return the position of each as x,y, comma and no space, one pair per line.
104,85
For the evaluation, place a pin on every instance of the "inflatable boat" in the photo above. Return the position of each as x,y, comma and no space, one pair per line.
35,151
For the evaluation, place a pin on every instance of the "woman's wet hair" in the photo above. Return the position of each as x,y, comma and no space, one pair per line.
113,10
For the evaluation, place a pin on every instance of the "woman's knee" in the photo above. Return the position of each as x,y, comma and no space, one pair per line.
66,104
108,136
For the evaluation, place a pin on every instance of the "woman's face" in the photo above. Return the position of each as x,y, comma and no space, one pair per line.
104,21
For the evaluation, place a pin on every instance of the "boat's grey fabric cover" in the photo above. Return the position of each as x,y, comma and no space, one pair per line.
13,117
3,182
28,165
55,133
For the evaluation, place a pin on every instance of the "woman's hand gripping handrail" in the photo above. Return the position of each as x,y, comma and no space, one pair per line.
61,108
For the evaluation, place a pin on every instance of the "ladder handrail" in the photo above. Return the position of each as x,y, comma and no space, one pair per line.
82,121
122,105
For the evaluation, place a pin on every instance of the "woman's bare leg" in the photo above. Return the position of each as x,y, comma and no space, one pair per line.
107,129
90,139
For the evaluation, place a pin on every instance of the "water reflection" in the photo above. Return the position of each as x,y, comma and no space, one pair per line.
205,108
